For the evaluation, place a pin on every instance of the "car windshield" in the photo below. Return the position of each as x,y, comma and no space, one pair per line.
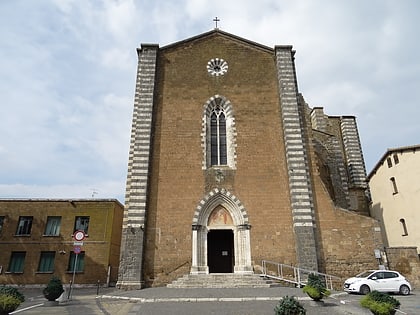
364,274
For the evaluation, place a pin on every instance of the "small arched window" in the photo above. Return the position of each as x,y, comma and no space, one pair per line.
394,185
404,227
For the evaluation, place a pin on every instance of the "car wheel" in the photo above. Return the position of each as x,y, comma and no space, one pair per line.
404,290
364,289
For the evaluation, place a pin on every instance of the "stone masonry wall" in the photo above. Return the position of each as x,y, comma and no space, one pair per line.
346,239
406,261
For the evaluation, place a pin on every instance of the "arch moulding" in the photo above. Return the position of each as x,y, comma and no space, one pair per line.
240,227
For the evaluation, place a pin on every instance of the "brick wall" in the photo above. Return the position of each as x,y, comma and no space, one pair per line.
178,182
179,179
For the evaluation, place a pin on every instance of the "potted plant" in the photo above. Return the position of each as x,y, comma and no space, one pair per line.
54,289
289,306
315,288
10,299
380,303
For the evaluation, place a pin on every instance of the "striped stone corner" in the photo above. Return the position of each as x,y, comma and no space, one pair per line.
353,149
297,161
130,271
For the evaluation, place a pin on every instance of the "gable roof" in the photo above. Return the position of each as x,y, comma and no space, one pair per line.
390,152
217,31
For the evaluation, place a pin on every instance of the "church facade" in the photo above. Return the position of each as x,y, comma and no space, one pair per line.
229,166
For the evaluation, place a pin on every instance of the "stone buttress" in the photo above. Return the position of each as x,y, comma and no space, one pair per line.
130,275
297,160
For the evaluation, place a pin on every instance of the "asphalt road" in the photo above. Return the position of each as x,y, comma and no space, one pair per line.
256,301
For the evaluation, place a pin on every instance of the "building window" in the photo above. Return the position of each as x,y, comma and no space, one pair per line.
17,261
24,226
404,227
52,227
389,162
1,223
394,185
396,159
79,260
218,137
81,224
46,262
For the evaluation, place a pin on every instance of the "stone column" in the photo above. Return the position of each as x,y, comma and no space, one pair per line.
243,250
199,263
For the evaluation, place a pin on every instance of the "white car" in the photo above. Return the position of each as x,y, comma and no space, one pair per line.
378,280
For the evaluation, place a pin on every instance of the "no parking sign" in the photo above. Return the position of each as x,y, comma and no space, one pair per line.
77,249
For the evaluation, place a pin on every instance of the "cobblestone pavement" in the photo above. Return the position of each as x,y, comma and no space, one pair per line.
257,301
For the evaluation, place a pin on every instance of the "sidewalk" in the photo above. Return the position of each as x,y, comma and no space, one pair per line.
156,301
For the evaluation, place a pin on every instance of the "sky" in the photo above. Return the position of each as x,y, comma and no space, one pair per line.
68,69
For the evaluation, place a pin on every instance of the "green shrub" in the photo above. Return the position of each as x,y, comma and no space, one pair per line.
289,306
315,288
8,303
313,293
54,289
12,292
380,303
383,297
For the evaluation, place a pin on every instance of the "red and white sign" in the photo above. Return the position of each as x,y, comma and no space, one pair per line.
79,236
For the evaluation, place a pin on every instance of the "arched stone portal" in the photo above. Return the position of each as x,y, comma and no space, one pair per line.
220,210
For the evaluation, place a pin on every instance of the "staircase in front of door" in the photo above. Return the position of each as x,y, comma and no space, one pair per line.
222,280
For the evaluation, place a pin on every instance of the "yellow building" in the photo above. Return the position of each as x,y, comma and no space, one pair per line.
395,188
37,240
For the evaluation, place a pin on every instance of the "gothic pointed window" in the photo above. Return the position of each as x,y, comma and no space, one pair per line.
219,133
218,138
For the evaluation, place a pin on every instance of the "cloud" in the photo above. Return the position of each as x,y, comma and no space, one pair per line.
68,70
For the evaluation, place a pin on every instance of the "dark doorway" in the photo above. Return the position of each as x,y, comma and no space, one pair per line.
220,251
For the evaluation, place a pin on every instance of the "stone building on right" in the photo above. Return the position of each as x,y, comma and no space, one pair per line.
395,190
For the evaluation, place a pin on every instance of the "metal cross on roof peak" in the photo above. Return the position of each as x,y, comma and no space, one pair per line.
216,20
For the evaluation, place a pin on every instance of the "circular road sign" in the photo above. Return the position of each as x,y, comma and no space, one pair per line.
79,235
77,249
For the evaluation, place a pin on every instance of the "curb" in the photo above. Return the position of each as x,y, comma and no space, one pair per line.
198,299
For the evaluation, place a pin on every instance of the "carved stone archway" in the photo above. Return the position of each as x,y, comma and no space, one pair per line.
238,222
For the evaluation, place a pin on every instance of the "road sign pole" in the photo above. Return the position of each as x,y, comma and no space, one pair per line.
78,237
74,274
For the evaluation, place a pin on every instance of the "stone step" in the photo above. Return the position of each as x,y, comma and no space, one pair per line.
225,280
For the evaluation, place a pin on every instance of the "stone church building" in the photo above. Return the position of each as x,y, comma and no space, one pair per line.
229,166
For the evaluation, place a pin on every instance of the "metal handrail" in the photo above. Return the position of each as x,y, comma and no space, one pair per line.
292,274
